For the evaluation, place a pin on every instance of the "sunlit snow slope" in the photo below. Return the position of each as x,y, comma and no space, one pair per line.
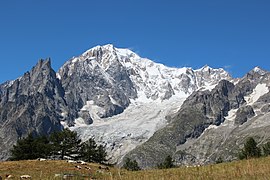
123,132
109,80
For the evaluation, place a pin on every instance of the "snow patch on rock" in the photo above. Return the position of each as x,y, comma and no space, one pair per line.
260,90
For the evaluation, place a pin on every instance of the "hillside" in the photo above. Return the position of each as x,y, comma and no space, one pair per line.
246,169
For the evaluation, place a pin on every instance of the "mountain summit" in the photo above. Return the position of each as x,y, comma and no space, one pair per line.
106,81
108,78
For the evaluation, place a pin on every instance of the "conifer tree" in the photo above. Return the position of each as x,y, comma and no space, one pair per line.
88,150
65,143
250,149
101,154
91,152
58,145
31,148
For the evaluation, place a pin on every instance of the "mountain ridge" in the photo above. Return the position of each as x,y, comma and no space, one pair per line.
240,110
124,101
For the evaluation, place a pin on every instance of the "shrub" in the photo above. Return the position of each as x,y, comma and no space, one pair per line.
266,149
131,165
168,163
219,160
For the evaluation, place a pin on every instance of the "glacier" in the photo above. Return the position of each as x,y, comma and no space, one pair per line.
160,91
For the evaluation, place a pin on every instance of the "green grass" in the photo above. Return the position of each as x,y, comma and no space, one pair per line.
246,169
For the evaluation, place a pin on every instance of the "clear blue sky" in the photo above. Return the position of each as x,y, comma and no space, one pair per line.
234,34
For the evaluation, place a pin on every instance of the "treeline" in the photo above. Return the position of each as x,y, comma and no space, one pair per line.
132,165
64,144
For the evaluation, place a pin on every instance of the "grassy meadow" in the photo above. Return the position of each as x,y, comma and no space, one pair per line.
246,169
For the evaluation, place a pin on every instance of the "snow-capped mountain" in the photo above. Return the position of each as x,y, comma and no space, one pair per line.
150,79
126,98
134,105
110,77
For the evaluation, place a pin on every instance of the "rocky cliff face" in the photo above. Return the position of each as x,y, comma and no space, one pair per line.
32,103
212,124
97,77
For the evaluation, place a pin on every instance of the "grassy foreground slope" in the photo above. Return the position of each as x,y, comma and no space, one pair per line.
246,169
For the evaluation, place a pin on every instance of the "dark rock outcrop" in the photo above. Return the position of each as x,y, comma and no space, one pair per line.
243,114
